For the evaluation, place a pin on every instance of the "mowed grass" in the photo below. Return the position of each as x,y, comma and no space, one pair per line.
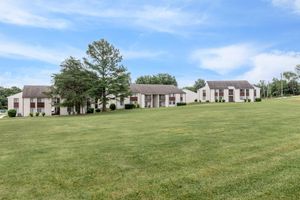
212,151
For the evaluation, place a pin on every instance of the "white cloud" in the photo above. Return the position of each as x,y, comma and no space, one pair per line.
159,18
271,64
223,60
12,49
290,4
262,64
24,13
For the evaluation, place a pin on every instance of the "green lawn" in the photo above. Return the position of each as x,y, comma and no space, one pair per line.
211,151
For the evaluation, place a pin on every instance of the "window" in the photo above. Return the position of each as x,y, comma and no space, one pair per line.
16,100
221,93
231,92
247,92
216,93
255,93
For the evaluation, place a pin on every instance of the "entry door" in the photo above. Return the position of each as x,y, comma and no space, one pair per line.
231,95
231,99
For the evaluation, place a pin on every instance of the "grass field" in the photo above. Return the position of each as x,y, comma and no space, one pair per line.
212,151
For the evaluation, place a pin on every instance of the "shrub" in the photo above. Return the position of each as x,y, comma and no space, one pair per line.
207,101
223,101
98,110
112,106
137,106
43,114
196,100
245,100
257,99
90,110
37,114
181,104
12,113
31,114
249,100
129,106
200,101
216,100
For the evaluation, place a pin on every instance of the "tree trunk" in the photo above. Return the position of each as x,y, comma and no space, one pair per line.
103,100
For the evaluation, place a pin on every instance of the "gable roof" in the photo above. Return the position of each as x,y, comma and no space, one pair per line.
225,84
35,91
155,89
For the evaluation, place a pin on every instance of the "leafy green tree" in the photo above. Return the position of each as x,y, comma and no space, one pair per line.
4,93
197,85
72,84
162,78
110,76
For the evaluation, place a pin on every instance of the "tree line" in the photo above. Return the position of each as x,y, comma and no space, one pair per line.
287,85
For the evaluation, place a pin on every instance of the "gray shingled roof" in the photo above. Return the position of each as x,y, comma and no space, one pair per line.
35,91
226,84
155,89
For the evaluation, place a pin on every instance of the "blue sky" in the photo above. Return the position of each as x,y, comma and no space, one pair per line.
190,39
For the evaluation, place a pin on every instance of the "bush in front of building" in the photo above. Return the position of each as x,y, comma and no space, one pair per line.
30,114
257,99
249,100
129,106
12,113
112,106
216,100
90,110
37,114
98,110
207,101
181,104
43,114
223,101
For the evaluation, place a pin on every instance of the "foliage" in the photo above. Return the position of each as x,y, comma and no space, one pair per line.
181,104
207,101
110,77
257,99
12,113
43,114
4,93
72,84
223,101
98,110
129,106
287,85
31,114
164,79
200,83
112,106
90,110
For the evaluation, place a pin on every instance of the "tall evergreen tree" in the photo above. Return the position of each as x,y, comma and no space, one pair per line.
111,77
72,84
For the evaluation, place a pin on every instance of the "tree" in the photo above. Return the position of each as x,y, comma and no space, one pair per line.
72,84
197,85
162,78
5,92
110,76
